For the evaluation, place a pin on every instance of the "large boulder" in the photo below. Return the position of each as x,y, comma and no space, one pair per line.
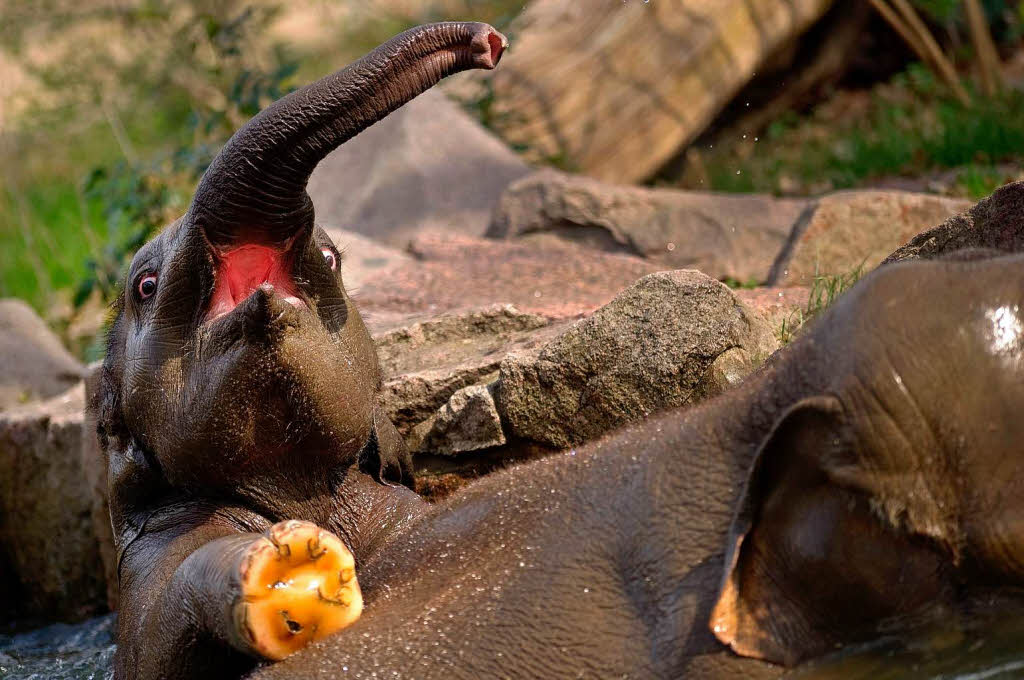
671,339
426,362
33,363
722,235
616,89
857,229
47,531
996,223
428,166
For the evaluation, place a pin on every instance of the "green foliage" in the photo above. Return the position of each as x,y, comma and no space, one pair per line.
36,256
910,126
736,284
139,197
1005,17
978,181
193,78
825,290
940,10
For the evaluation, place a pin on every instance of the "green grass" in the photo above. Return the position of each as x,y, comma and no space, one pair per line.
978,181
825,290
49,232
910,127
735,283
51,225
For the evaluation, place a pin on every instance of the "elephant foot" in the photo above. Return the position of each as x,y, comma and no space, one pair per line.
298,585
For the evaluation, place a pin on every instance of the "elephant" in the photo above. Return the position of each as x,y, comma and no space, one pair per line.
864,479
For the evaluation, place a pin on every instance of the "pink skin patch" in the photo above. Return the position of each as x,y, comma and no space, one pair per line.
242,270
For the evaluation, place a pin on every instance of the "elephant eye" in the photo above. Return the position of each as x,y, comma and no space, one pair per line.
332,259
147,286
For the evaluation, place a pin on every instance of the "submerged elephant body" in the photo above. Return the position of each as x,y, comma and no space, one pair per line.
861,458
868,472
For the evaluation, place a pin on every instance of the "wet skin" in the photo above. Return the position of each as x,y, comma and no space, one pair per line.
886,493
868,473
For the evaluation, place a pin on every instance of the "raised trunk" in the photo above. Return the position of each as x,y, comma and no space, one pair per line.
257,183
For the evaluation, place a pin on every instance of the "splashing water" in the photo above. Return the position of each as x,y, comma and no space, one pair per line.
82,651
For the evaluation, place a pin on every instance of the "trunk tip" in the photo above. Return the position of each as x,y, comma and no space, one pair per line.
488,45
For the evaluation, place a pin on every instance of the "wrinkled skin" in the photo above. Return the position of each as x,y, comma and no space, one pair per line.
876,464
868,477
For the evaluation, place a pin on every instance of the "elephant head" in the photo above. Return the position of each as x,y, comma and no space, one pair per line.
896,492
236,353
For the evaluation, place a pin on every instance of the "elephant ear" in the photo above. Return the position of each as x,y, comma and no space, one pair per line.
810,564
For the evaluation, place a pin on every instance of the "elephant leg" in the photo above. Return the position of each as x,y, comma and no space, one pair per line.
210,600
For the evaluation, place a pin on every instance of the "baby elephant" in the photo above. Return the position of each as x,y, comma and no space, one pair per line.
240,386
868,477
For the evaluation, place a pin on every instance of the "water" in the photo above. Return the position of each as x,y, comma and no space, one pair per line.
992,651
81,651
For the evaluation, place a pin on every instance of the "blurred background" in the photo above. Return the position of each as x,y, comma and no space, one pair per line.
110,110
617,139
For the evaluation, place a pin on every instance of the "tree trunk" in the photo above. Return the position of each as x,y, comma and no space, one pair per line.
615,89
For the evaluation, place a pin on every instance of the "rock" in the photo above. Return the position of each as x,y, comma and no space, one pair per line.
996,222
451,273
468,422
33,363
427,362
616,89
727,370
722,235
655,346
363,258
428,166
784,309
852,229
47,533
